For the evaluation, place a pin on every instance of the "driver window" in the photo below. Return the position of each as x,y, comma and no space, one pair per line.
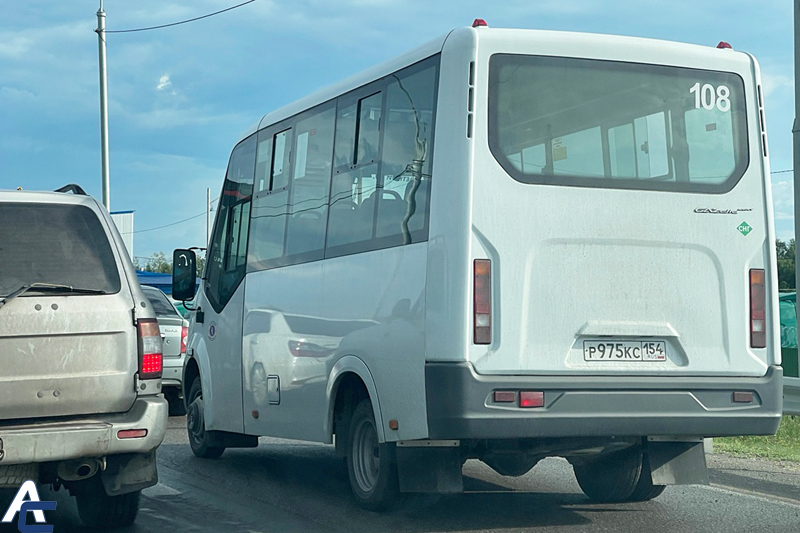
308,204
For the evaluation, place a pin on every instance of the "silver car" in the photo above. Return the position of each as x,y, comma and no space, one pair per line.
174,331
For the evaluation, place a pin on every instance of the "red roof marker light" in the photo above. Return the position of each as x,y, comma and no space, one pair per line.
723,44
479,22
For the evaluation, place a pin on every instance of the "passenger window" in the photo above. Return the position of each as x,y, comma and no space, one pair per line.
578,154
280,160
345,136
308,207
228,246
407,156
268,219
262,164
369,116
711,153
352,211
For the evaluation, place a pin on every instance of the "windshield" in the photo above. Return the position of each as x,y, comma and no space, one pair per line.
54,244
161,304
568,121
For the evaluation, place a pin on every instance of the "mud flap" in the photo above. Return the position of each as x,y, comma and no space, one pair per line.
129,472
677,463
431,469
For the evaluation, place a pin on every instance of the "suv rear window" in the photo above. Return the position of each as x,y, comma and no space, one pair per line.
54,243
592,123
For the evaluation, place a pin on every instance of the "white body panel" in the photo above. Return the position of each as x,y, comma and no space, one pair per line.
367,306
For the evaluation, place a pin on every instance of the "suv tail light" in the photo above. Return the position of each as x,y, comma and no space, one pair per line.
482,301
758,305
184,337
150,361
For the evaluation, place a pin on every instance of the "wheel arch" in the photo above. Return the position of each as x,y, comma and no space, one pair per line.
351,373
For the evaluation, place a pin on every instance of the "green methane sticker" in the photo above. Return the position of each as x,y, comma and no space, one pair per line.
744,228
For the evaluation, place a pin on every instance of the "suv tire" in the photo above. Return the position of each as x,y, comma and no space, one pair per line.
99,510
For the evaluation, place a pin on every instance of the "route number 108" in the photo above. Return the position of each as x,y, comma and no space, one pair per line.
709,97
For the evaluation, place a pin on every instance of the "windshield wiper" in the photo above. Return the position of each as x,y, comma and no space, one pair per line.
48,287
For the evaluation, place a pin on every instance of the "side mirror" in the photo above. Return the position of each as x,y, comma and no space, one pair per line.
184,274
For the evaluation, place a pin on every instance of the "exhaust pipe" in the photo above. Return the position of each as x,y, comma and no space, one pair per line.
78,469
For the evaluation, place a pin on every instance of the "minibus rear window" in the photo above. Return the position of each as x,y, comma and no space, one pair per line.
583,122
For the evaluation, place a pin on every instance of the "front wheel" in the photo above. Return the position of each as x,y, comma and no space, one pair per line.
196,426
371,465
99,510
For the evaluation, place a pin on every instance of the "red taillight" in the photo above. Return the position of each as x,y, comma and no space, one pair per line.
758,305
529,398
150,362
184,337
482,301
131,433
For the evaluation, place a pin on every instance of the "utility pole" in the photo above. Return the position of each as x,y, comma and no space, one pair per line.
101,44
208,217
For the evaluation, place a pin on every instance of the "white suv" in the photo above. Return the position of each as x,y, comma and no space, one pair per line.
80,356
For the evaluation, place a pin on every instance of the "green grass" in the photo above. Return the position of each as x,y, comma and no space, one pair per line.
784,446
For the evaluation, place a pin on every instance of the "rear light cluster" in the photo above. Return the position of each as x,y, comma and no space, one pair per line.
482,301
758,305
523,398
184,337
150,357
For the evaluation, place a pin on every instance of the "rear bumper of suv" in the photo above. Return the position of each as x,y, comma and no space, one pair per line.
460,405
96,436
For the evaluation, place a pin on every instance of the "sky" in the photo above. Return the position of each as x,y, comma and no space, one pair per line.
181,97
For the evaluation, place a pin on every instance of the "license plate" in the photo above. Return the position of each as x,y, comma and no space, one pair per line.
611,350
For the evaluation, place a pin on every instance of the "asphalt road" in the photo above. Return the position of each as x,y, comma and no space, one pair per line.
291,487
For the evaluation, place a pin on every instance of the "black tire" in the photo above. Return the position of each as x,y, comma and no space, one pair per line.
371,466
645,490
99,510
176,405
612,477
196,426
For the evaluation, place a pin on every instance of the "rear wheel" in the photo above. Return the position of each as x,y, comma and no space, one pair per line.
611,477
371,465
645,490
99,510
196,427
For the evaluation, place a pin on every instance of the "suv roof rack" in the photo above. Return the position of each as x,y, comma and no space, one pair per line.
74,189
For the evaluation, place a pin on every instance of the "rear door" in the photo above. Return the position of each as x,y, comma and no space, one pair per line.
622,205
68,348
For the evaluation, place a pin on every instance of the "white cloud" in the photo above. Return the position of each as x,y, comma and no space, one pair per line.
163,83
775,82
783,198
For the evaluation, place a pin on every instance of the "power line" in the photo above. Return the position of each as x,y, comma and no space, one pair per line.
181,22
782,171
166,225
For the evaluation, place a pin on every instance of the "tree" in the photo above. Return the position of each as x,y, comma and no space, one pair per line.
158,263
786,265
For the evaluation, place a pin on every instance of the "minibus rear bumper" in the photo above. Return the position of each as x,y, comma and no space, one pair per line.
461,405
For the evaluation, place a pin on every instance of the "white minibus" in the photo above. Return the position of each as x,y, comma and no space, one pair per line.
502,245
